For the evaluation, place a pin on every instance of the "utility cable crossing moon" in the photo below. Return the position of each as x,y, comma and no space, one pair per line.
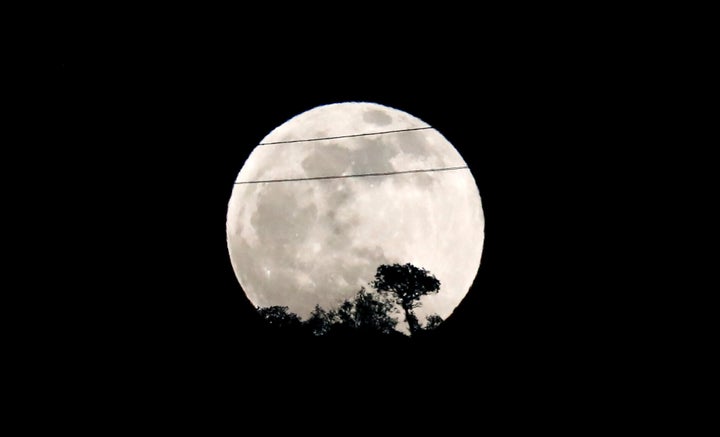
347,136
355,175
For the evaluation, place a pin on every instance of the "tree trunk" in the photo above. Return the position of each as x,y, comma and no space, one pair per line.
411,320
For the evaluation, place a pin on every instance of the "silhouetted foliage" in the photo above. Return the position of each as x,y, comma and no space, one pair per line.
279,317
407,284
345,314
432,322
321,321
372,313
366,313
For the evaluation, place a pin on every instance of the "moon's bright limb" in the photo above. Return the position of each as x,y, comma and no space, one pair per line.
315,241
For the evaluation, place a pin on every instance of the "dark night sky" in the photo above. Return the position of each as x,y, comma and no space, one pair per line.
155,134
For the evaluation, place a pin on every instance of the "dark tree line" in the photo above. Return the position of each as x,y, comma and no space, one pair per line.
368,312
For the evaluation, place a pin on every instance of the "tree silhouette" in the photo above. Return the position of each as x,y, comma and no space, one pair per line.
368,313
279,317
432,322
346,316
321,321
372,313
408,284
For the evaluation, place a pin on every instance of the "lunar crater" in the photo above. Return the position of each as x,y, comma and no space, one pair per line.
377,117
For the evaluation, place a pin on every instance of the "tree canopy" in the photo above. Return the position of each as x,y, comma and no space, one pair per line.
279,317
407,283
368,312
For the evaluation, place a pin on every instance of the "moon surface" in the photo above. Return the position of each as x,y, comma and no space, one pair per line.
298,235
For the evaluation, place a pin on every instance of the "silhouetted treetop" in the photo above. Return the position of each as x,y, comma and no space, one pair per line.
373,313
432,322
407,284
279,317
368,313
321,321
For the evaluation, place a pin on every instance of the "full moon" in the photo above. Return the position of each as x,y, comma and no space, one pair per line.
335,192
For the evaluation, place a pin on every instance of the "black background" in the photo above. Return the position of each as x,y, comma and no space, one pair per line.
151,135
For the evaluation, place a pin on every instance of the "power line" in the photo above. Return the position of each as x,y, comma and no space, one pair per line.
352,175
346,136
